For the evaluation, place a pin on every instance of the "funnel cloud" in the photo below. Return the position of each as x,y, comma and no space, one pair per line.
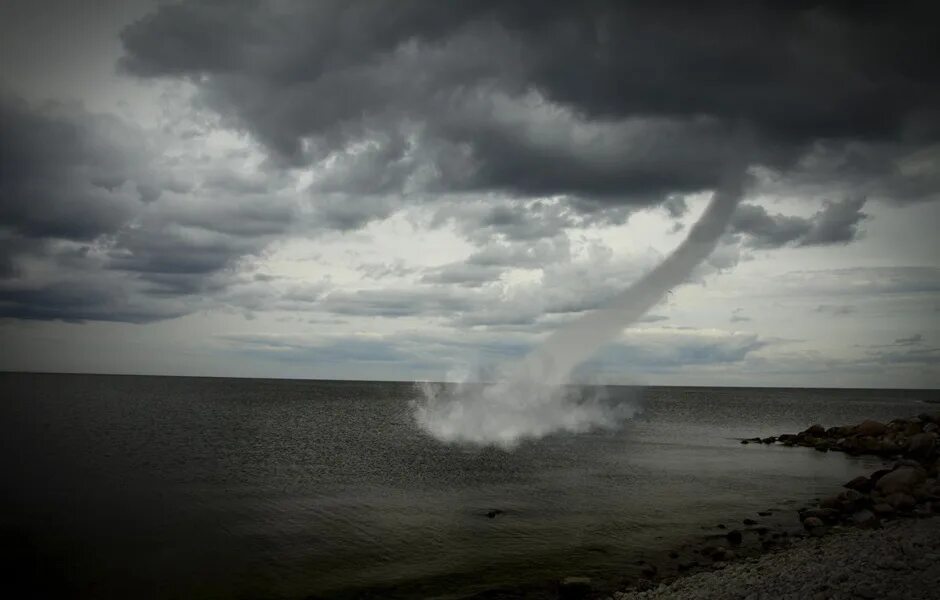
533,400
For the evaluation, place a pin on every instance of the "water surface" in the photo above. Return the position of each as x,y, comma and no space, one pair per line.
160,487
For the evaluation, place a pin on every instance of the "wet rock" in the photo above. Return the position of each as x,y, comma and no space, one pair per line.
865,518
769,440
749,522
813,523
870,428
764,513
492,513
877,475
883,508
903,479
901,501
860,483
816,430
673,554
921,444
931,427
734,536
823,514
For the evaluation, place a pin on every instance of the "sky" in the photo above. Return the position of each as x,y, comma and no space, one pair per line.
415,190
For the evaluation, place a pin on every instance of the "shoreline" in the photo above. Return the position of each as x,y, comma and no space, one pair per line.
890,506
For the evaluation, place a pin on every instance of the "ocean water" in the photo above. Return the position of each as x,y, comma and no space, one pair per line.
163,487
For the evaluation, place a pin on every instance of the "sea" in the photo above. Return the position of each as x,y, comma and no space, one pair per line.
176,487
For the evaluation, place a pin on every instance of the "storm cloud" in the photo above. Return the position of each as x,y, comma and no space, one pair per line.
480,170
624,102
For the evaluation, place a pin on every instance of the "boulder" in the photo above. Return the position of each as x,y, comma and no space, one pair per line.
921,444
860,483
883,509
816,431
813,522
870,428
902,479
734,536
823,514
865,519
901,501
889,447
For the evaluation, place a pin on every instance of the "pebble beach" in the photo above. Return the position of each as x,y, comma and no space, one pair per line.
875,538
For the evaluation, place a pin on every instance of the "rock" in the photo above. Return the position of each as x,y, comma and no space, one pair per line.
492,513
889,447
865,518
753,440
903,479
734,536
870,428
815,430
749,522
764,513
931,427
769,440
901,501
883,508
875,476
574,587
813,523
921,444
722,555
673,554
860,483
823,514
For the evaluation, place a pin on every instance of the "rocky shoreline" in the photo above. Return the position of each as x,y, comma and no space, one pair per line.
874,514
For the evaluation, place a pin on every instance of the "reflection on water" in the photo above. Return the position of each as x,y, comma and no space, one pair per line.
166,487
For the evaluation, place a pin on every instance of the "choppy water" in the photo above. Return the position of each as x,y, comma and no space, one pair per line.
153,487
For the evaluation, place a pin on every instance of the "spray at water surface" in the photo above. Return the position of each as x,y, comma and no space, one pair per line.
531,399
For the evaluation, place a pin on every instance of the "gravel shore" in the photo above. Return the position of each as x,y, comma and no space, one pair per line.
898,561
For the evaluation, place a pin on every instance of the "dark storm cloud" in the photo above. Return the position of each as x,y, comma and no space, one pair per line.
836,223
625,102
94,226
66,175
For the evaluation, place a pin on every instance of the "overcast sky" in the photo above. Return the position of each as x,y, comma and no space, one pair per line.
405,189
